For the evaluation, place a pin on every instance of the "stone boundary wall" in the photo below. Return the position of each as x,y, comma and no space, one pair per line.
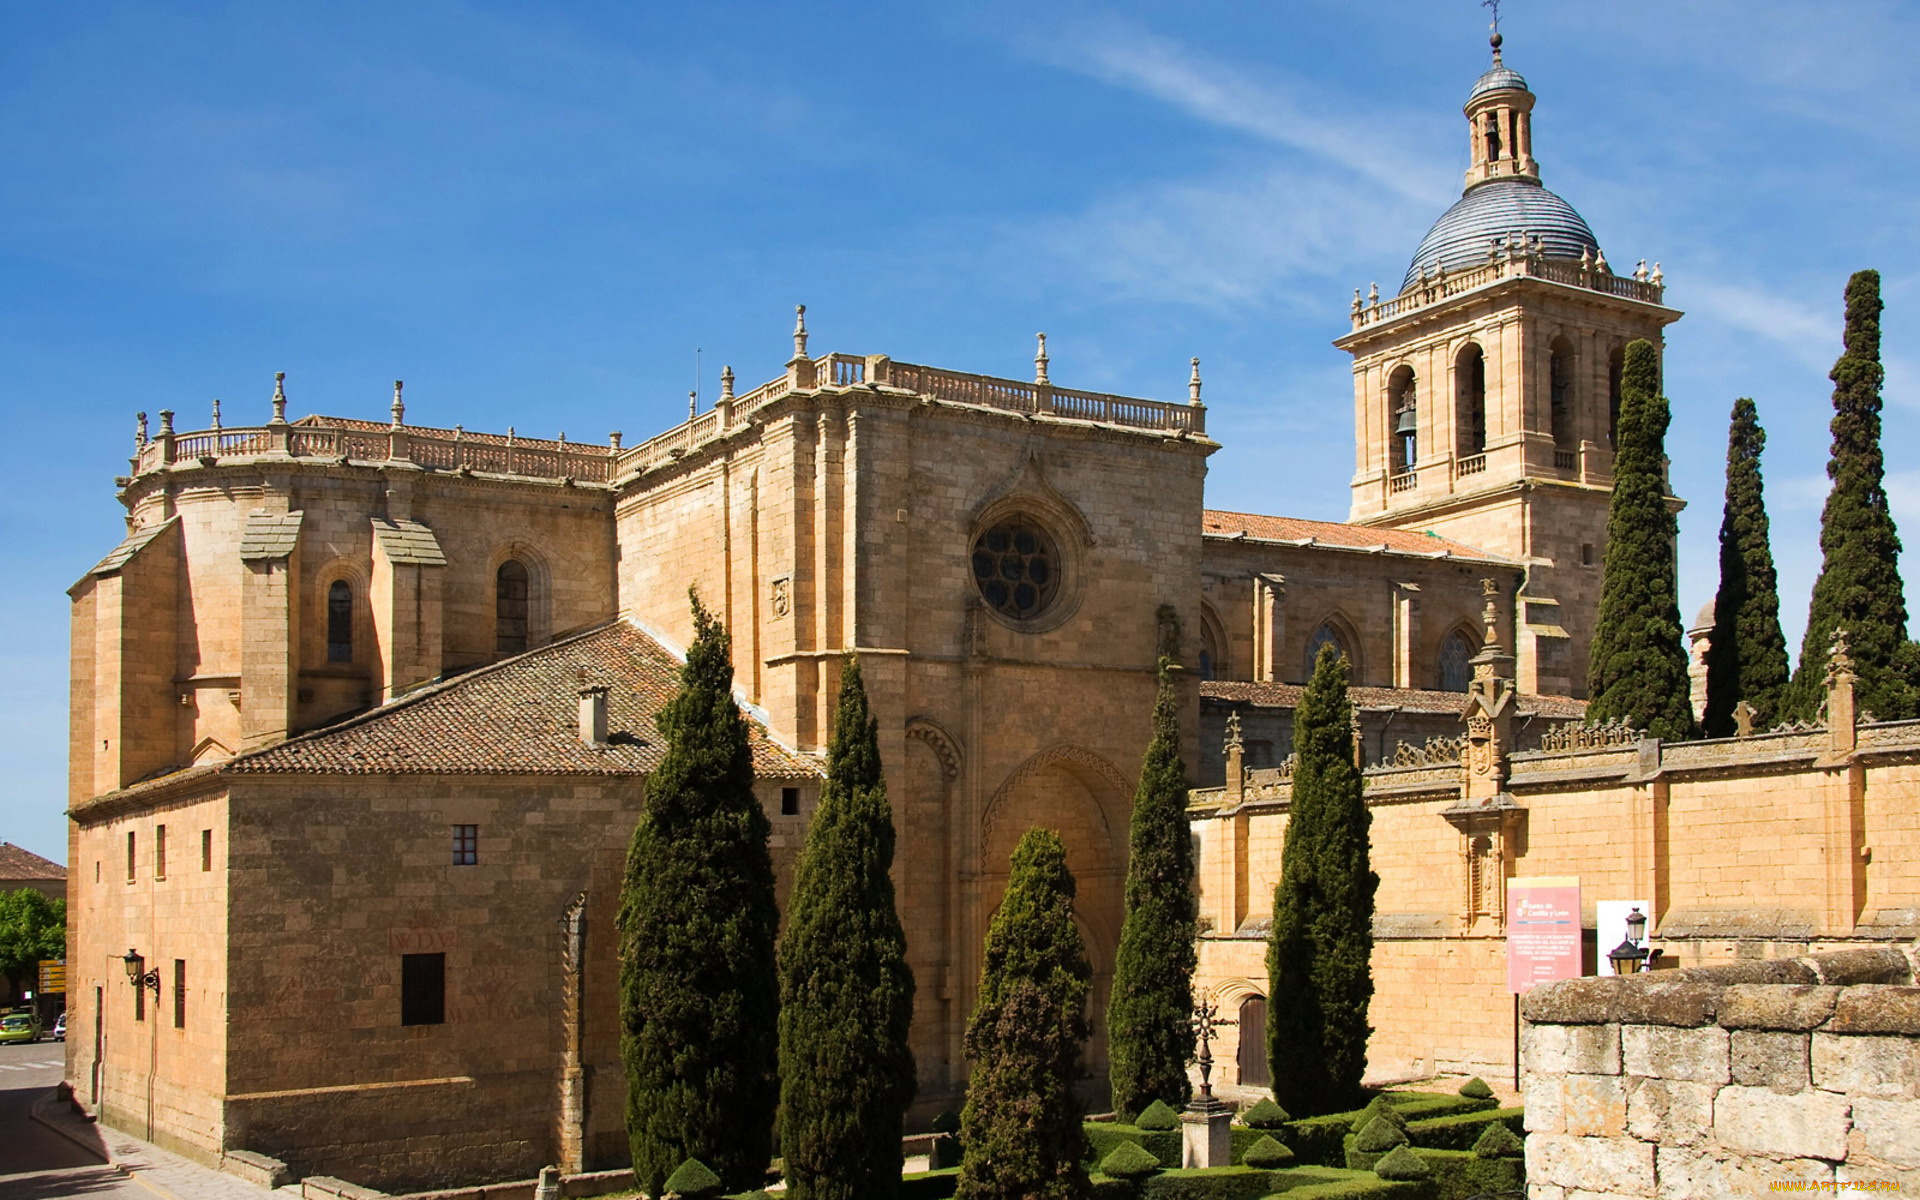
1726,1081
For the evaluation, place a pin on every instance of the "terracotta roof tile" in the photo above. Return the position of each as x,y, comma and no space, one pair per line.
1287,695
1219,523
16,863
518,717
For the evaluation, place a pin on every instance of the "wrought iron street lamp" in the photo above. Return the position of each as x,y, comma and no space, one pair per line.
138,977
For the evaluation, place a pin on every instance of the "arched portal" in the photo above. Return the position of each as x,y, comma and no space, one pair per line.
1084,799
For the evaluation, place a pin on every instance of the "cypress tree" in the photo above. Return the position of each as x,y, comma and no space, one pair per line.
1149,1031
846,992
1319,951
699,997
1859,588
1637,666
1020,1130
1747,654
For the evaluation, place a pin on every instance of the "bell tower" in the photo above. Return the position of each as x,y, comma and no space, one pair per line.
1486,391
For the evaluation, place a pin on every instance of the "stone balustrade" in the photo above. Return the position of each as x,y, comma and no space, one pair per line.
1447,284
364,442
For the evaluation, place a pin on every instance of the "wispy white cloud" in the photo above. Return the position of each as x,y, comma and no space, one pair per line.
1810,335
1275,107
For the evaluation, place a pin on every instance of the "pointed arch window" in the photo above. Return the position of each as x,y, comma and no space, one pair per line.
510,608
1470,373
1327,635
1455,669
340,622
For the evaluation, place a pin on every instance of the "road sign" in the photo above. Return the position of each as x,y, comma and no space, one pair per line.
1543,931
53,975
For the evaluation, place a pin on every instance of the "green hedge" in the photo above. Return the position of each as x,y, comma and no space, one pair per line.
930,1185
1103,1137
1322,1140
1461,1131
1458,1174
1245,1183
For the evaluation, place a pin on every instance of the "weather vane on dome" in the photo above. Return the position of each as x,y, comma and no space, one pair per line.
1495,26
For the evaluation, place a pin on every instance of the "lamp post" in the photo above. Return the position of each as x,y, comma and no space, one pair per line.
1631,956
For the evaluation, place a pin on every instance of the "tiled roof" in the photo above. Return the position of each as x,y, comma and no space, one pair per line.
270,535
408,542
465,435
129,546
518,717
1336,533
1287,695
16,863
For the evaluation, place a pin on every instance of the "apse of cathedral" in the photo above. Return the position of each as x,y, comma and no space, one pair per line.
393,685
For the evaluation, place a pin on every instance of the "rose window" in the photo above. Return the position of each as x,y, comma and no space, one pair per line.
1016,568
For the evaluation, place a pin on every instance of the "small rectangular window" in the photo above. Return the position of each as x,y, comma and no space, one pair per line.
206,849
789,802
96,870
133,868
159,851
1586,554
423,989
179,993
466,845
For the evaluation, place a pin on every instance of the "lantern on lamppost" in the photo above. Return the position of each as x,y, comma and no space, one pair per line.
136,975
1631,956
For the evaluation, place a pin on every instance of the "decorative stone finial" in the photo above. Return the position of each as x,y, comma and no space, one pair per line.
1640,270
216,413
613,440
1193,382
139,429
459,432
1356,302
1233,741
1496,39
1657,279
1040,359
562,439
1586,259
799,331
166,422
1600,262
1839,661
1490,612
726,383
399,407
1373,295
693,405
279,397
1743,719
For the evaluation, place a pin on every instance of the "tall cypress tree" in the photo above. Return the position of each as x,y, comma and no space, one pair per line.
1149,1030
1320,949
1020,1130
699,997
1747,655
1637,666
846,992
1859,589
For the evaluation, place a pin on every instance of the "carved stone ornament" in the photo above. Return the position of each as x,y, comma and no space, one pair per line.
782,596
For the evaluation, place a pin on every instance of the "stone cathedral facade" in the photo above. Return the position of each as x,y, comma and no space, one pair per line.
362,710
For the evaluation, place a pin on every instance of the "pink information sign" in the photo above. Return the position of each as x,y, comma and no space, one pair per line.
1543,931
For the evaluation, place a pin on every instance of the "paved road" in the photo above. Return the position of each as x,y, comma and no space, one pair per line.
37,1163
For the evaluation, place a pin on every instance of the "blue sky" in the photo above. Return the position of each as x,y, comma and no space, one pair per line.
535,213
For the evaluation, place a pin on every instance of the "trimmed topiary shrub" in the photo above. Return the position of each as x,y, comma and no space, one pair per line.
1384,1109
1461,1130
693,1180
1379,1136
1267,1154
1158,1116
1104,1137
1129,1161
1499,1142
1264,1115
1402,1163
1476,1089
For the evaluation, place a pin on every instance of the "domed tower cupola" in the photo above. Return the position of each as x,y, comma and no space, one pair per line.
1499,113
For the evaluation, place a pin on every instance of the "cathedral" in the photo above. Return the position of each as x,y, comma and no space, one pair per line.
362,711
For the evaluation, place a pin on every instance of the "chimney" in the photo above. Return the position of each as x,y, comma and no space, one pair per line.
593,716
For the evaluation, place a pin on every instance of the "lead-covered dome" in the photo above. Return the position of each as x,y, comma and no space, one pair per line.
1494,210
1498,78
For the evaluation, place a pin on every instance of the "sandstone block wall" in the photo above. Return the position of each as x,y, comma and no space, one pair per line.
1725,1081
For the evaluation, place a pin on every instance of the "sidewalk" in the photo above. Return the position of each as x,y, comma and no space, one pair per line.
156,1171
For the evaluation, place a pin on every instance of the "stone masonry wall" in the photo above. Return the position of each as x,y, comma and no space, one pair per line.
1789,1074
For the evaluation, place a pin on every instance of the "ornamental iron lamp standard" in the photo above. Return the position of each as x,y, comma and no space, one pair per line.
1631,956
